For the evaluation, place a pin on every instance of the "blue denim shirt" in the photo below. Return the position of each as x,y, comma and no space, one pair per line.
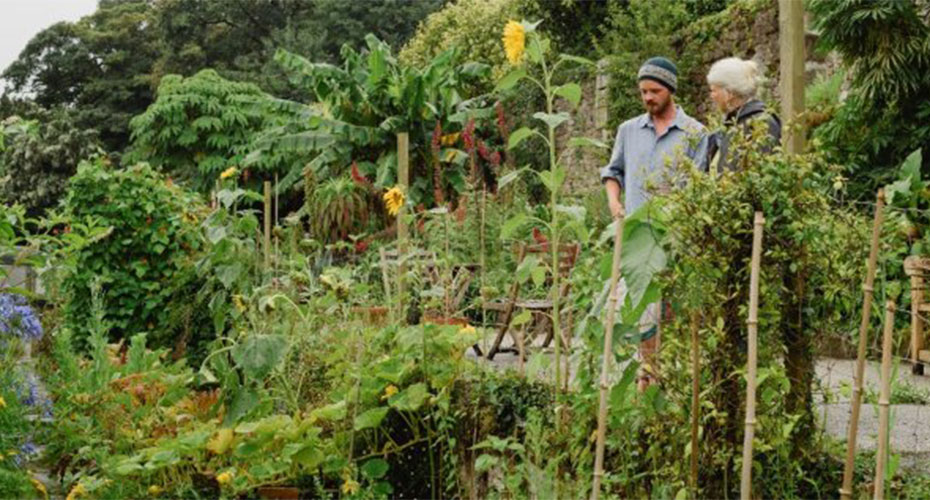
639,156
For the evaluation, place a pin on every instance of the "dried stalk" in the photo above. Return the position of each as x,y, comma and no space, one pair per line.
608,354
883,397
752,325
695,399
267,241
846,490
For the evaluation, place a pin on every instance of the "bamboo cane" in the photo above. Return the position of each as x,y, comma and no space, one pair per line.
403,178
267,242
883,397
846,490
695,400
752,326
608,354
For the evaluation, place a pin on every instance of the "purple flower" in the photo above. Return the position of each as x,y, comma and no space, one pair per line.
18,318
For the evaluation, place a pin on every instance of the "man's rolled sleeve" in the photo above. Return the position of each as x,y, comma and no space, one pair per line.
615,168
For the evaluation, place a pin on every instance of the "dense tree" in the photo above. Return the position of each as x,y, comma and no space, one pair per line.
99,65
38,156
886,47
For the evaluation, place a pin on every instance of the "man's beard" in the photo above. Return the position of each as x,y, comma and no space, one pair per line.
657,109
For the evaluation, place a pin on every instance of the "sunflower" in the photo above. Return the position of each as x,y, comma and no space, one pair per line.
389,391
224,478
394,200
350,487
229,172
514,41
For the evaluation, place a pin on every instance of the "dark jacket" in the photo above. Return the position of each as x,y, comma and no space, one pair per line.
742,119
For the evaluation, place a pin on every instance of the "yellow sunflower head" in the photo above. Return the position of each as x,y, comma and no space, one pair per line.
514,41
224,478
389,391
394,200
229,172
350,487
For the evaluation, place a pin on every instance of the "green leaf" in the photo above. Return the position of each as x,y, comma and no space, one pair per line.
570,91
512,225
522,318
587,142
511,79
508,178
643,257
552,179
518,136
485,462
332,412
310,456
411,398
552,120
371,418
576,212
259,354
375,468
539,275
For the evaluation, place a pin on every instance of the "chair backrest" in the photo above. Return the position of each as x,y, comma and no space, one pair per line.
568,255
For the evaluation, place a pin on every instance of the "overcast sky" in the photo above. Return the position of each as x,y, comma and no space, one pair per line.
21,19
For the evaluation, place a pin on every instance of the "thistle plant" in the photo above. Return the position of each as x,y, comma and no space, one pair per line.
529,52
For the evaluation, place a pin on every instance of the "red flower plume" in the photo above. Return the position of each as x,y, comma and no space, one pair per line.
358,177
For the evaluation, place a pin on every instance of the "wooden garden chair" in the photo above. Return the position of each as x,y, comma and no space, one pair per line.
540,309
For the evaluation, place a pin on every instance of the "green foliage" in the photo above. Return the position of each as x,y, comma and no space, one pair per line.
145,263
38,156
886,47
473,26
339,207
362,105
199,126
99,66
802,258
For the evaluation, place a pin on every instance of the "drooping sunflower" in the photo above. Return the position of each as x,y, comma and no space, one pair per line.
514,41
229,172
393,200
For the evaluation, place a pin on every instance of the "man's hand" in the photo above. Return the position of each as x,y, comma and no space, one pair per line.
613,197
615,207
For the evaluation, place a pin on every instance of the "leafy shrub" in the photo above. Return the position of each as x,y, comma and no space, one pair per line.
146,262
38,156
199,126
473,26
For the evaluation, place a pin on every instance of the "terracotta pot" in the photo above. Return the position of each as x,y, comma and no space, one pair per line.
279,492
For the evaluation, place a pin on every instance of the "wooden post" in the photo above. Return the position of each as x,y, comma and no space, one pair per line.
884,395
792,57
917,323
752,326
695,399
267,243
846,489
608,354
403,180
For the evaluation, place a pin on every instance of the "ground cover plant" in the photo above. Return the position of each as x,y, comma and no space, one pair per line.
196,336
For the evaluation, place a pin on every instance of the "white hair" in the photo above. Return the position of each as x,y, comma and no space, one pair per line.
738,76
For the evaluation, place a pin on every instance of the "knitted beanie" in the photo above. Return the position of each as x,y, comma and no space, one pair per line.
661,70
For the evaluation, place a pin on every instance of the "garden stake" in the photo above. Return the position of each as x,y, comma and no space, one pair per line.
403,178
882,452
695,396
752,326
608,354
856,402
267,224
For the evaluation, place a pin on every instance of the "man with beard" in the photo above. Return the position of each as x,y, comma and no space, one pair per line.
645,152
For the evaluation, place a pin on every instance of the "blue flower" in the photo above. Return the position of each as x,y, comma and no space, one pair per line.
18,318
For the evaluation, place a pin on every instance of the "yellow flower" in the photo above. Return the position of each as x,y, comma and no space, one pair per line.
389,391
155,490
224,478
394,200
449,139
39,487
2,402
229,172
514,41
350,487
467,330
239,303
77,492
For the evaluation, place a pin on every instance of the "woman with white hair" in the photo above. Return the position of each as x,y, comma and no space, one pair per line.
733,86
